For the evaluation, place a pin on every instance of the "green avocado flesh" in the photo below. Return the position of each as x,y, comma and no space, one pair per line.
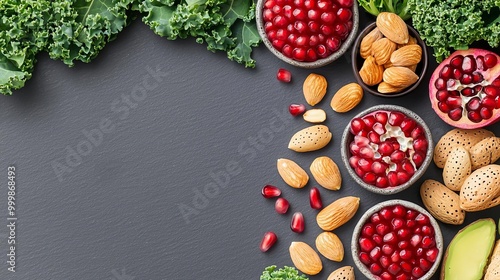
468,252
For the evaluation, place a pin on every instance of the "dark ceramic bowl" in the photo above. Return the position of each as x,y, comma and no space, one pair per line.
357,63
348,137
314,64
410,205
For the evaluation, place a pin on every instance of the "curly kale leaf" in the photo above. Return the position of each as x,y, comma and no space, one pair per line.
456,24
22,35
399,7
285,273
218,23
84,28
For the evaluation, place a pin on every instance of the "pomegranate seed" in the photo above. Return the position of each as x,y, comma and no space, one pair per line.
390,238
393,269
375,268
381,117
443,107
269,4
385,276
428,242
382,182
474,116
268,241
480,63
397,223
368,230
311,55
442,95
407,267
344,15
468,92
377,239
386,213
392,176
419,252
477,77
403,233
454,102
361,141
379,128
354,148
385,261
473,104
387,249
456,62
407,126
297,224
427,230
353,161
466,79
420,144
375,218
410,224
457,74
432,254
395,118
417,272
333,44
455,114
270,191
365,165
491,91
375,254
281,206
364,258
284,75
415,240
379,168
374,137
366,152
369,121
296,109
405,254
287,11
381,229
287,50
301,41
469,64
440,84
485,113
315,199
397,156
424,264
366,245
490,60
357,125
488,102
403,177
370,178
299,54
328,17
385,149
346,3
445,72
496,82
309,4
418,159
359,172
299,14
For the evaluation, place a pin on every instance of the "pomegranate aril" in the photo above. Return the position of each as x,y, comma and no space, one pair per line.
344,14
443,107
287,50
379,168
368,230
442,95
419,252
397,156
384,261
327,17
374,137
393,269
395,118
296,109
382,182
431,254
359,172
315,198
299,14
276,9
392,176
420,144
326,30
491,91
455,114
468,92
445,72
454,102
407,267
488,102
417,272
364,258
370,178
297,224
270,191
346,3
456,62
405,254
474,116
377,239
469,64
381,229
485,113
288,12
403,233
375,253
440,84
385,276
369,121
422,219
357,125
284,75
366,245
311,55
397,223
496,82
466,79
333,44
407,126
299,54
268,241
375,268
403,177
309,4
473,104
490,60
391,237
415,240
457,74
424,264
387,249
418,159
480,63
281,206
428,242
375,218
379,128
365,165
269,4
381,117
477,77
366,152
353,161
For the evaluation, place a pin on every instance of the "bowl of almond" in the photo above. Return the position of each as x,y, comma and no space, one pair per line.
389,59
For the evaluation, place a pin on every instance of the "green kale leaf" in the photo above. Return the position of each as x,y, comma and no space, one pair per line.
285,273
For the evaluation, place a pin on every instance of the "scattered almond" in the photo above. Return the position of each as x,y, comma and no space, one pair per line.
398,76
292,173
314,88
485,152
310,139
346,98
365,47
382,50
457,137
314,116
330,246
457,168
343,273
326,172
337,213
441,202
305,259
393,27
371,73
384,87
407,56
481,190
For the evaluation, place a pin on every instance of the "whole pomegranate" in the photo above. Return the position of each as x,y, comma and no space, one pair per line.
465,89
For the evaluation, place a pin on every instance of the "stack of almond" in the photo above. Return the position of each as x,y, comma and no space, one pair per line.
467,158
391,55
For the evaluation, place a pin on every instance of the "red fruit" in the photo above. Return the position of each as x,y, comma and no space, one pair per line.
375,269
296,109
281,206
478,69
268,241
315,199
366,244
297,224
269,191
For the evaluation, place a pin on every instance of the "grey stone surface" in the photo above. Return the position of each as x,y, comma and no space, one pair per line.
115,214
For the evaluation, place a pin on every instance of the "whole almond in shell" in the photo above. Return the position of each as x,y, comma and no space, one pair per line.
457,137
305,259
485,152
493,270
330,246
393,27
398,76
337,213
371,73
481,190
382,50
314,116
343,273
346,98
457,168
365,47
292,173
406,56
310,139
442,203
326,172
314,88
384,87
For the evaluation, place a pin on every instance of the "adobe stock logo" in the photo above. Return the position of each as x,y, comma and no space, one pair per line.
120,110
221,179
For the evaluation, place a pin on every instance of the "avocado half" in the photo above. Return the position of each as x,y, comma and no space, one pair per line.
467,255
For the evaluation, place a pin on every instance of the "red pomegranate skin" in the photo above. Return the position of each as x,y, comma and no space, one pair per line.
464,90
307,30
387,149
398,243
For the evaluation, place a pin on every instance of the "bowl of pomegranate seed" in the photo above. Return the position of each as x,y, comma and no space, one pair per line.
307,33
397,239
386,148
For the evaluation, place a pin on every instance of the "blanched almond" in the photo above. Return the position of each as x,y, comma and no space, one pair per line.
292,173
314,116
326,172
304,258
310,139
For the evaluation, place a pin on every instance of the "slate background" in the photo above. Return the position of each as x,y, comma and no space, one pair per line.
116,214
